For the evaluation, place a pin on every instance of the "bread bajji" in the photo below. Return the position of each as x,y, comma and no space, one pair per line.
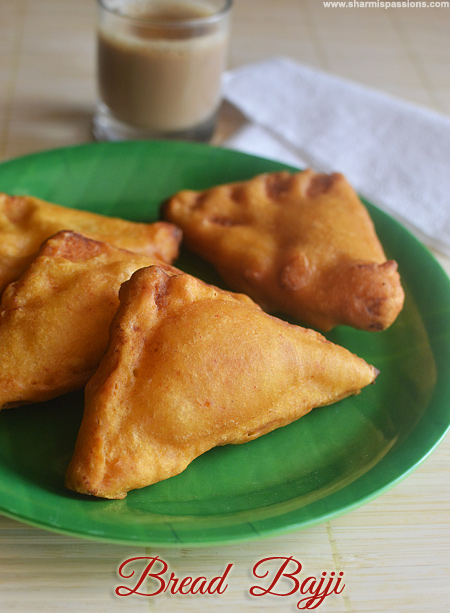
54,321
190,367
26,222
302,244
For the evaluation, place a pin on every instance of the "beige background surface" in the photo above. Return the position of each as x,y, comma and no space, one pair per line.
395,551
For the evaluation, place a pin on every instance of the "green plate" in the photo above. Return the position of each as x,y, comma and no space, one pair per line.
325,464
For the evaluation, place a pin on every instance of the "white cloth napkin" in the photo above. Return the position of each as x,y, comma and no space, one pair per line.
395,154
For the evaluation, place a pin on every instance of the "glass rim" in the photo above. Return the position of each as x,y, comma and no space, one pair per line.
184,23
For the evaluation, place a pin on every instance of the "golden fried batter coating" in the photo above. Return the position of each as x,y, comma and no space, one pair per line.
25,222
188,368
302,244
54,321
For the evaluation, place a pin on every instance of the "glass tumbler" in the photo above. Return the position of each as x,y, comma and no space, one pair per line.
160,65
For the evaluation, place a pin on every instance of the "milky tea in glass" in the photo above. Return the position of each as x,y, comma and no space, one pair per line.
160,64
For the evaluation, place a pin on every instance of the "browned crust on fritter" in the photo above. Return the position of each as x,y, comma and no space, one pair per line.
300,243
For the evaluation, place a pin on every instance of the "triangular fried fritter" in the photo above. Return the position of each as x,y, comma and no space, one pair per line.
301,243
54,321
188,368
26,222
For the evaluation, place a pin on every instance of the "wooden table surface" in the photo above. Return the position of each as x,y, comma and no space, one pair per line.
394,551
